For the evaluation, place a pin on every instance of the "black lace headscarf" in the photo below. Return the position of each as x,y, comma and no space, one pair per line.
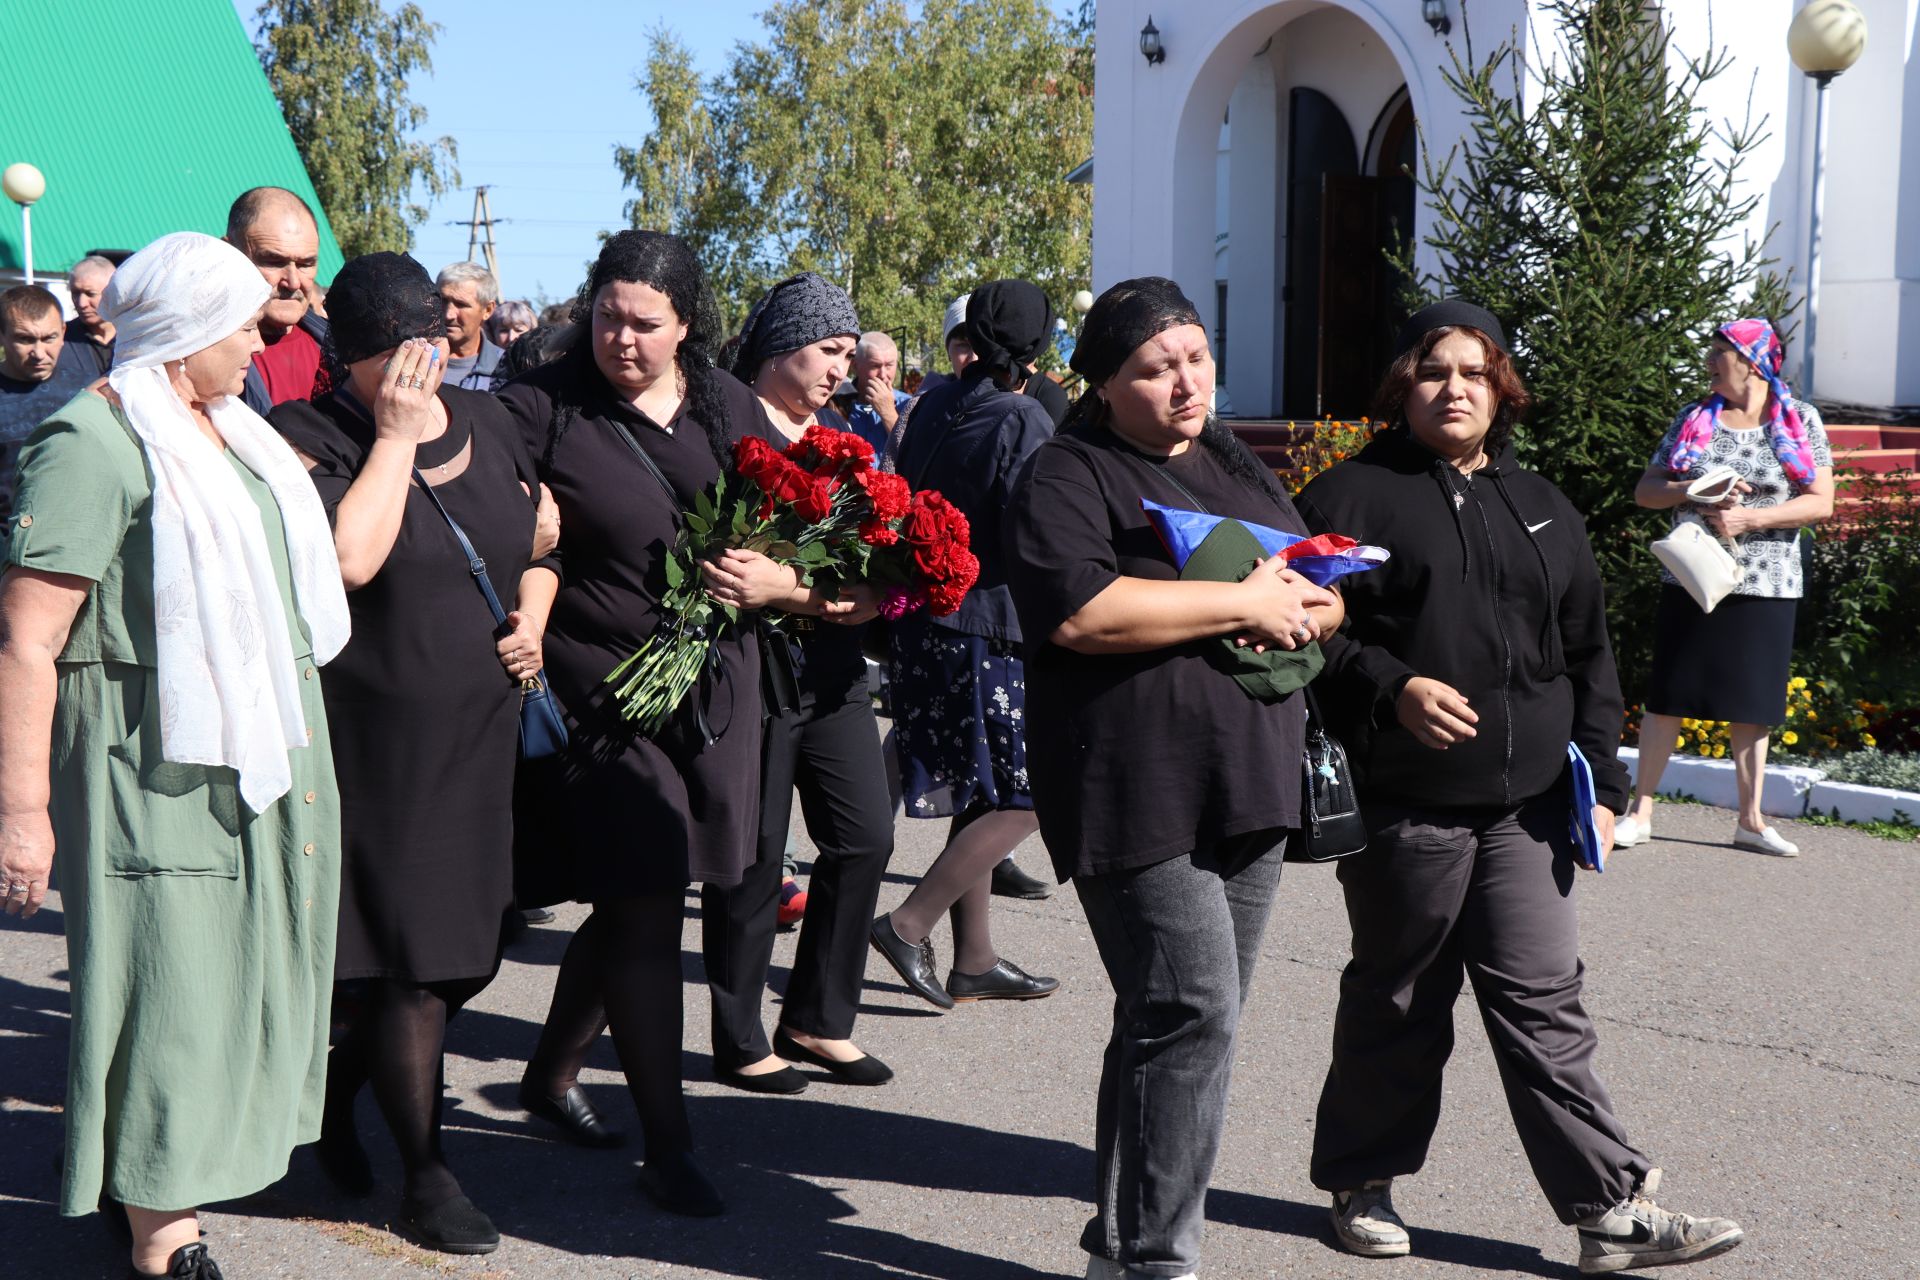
1124,317
666,263
376,302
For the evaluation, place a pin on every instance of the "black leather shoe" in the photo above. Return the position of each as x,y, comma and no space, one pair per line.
674,1182
188,1262
1005,981
1009,881
452,1226
866,1070
574,1115
784,1081
913,963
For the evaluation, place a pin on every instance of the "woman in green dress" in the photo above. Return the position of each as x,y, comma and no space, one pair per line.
170,588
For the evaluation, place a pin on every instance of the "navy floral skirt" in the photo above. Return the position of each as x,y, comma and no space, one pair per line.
959,715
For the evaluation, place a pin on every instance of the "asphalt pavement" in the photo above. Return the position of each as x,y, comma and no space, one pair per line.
1760,1032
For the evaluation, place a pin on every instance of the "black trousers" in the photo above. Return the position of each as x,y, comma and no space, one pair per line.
1485,894
831,751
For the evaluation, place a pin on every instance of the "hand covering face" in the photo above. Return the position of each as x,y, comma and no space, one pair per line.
229,694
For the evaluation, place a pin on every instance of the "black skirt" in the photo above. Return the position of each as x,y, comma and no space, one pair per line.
1731,664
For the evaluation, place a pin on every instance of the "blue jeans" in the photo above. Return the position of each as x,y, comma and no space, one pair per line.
1178,939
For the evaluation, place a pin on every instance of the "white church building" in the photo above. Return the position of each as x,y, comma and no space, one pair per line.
1258,161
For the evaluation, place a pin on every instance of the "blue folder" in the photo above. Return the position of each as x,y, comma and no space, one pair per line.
1586,836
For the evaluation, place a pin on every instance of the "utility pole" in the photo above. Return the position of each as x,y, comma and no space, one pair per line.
481,225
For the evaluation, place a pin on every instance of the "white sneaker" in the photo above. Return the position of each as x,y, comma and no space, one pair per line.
1364,1221
1628,832
1766,840
1099,1268
1638,1233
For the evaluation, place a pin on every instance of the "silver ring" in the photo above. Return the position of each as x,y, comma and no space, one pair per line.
1304,633
20,888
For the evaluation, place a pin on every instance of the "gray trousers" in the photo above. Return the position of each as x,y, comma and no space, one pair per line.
1488,894
1178,940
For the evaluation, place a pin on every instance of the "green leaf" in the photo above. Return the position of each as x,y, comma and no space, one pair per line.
782,551
676,572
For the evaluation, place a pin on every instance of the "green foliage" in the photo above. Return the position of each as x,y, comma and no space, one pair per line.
905,156
1874,769
339,69
1901,828
1594,221
1862,605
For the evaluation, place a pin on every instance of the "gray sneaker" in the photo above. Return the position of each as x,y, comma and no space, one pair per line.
1364,1221
1638,1233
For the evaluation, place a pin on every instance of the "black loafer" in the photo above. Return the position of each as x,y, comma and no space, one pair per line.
1005,981
784,1081
452,1226
188,1262
1009,881
674,1182
913,963
864,1070
574,1114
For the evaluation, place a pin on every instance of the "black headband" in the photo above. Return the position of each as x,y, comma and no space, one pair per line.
1124,317
377,302
1454,313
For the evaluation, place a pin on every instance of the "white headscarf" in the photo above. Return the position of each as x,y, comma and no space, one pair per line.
229,694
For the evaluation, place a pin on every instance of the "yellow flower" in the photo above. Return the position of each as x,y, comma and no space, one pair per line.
1718,752
1789,709
1789,737
1679,743
1866,740
1798,682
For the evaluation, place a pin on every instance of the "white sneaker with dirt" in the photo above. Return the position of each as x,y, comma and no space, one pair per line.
1638,1233
1364,1221
1630,831
1766,840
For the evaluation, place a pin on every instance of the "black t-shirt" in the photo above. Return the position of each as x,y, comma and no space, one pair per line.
1136,758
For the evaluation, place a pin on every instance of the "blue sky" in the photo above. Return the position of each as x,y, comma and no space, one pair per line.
537,95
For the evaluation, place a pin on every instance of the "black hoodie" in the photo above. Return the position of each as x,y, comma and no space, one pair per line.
1492,588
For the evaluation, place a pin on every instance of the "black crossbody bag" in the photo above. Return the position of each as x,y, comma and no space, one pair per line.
1330,823
542,731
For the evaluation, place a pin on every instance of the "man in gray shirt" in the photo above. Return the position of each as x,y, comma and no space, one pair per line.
469,293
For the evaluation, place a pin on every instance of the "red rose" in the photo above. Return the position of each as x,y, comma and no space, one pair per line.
889,494
877,533
815,499
759,462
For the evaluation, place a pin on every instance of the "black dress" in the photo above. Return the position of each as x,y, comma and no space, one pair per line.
424,718
635,815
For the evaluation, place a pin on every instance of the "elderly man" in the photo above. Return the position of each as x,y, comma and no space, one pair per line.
89,338
469,293
877,402
36,375
279,234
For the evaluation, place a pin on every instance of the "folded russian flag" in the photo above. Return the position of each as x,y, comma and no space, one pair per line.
1320,560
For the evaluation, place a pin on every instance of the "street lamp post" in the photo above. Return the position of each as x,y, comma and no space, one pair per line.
24,184
1827,37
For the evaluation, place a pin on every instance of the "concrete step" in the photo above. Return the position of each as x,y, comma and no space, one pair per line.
1868,437
1881,460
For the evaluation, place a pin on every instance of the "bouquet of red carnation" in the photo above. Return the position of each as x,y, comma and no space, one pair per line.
819,506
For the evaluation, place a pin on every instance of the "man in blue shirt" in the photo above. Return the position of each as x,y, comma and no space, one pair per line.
36,375
877,403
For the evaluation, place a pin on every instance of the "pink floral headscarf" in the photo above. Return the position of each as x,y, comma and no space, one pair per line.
1756,340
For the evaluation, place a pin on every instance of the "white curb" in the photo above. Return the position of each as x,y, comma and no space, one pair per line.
1784,794
1856,803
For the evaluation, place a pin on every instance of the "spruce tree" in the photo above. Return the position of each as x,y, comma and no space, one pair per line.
1597,218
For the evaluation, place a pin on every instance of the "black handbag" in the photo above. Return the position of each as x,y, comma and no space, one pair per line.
542,730
1330,823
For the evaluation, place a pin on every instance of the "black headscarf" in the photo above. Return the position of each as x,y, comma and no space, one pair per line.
798,312
1009,323
378,301
1124,317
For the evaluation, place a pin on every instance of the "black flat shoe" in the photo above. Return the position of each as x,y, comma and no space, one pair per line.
574,1114
786,1080
913,963
188,1262
452,1226
1009,881
674,1183
344,1161
867,1070
1005,981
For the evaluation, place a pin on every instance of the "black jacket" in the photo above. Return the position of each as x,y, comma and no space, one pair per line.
1492,589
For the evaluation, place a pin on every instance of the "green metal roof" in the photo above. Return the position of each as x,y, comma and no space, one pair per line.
145,118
